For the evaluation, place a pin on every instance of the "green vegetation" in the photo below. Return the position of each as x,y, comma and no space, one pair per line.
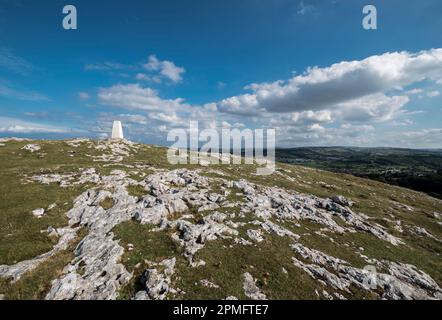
21,235
225,266
107,203
415,169
147,247
20,232
136,190
35,284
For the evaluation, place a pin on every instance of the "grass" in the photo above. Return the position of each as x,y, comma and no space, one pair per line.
136,191
107,203
225,266
147,246
35,284
21,237
20,232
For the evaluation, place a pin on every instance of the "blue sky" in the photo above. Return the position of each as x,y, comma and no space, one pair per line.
306,68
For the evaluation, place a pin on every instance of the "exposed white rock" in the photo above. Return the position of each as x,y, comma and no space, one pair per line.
342,201
255,235
97,257
271,227
206,283
420,231
95,273
170,203
242,242
75,143
15,272
403,206
51,178
32,147
327,295
38,213
156,284
251,290
295,206
403,282
66,180
193,237
115,150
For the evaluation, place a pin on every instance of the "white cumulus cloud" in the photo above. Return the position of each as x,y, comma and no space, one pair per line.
340,84
166,68
15,126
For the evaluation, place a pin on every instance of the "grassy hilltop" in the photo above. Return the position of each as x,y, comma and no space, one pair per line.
410,216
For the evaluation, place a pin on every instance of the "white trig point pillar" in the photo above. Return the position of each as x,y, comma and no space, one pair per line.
117,130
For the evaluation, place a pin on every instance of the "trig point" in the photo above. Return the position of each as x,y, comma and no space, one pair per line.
117,130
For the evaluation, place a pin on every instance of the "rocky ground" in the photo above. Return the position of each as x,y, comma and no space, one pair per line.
84,219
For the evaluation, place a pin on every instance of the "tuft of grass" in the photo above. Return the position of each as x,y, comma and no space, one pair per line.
107,203
136,191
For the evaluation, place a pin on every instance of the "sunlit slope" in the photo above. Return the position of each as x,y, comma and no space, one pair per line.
120,222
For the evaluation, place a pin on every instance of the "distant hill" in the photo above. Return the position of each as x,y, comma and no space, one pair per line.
420,170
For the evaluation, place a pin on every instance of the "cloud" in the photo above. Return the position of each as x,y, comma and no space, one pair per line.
414,91
15,126
424,133
134,96
9,61
8,92
168,69
424,138
318,135
131,118
346,103
150,115
376,108
358,90
106,66
221,85
40,114
323,116
84,95
245,105
304,9
433,94
154,70
406,122
173,112
147,78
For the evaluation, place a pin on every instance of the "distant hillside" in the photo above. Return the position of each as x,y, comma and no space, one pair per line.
420,170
